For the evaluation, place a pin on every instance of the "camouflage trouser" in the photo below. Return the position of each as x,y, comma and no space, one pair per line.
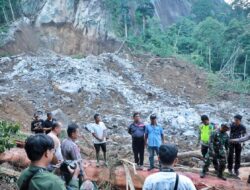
219,161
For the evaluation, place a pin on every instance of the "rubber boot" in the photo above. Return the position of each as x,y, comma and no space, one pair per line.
203,173
220,175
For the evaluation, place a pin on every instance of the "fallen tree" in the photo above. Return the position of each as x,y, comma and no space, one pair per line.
116,174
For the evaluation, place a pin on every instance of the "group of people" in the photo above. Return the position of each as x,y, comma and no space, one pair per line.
219,147
45,151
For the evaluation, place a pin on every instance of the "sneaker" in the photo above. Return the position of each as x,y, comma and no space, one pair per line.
202,174
106,164
141,167
97,164
236,172
151,168
230,172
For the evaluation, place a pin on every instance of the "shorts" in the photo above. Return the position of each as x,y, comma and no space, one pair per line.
98,146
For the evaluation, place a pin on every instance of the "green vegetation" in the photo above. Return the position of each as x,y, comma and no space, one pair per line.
7,133
9,11
216,36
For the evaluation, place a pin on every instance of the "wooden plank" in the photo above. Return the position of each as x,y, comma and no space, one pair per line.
129,180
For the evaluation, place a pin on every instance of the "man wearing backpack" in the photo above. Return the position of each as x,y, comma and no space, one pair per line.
167,179
40,150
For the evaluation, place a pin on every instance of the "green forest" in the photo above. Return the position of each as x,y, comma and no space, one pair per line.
216,38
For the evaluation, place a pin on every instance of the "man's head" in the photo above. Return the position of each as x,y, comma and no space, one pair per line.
36,116
205,119
153,118
57,127
224,128
49,116
168,154
40,147
136,117
97,117
73,131
237,119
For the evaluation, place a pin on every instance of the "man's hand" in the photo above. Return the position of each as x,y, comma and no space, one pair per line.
198,144
233,140
75,172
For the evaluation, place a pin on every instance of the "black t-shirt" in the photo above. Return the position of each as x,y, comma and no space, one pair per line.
49,124
37,123
237,131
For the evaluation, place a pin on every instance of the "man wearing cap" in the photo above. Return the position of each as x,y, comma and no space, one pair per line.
237,130
218,147
153,139
37,124
48,123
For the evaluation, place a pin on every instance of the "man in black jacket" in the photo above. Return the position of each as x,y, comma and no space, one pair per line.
37,125
137,131
237,130
48,123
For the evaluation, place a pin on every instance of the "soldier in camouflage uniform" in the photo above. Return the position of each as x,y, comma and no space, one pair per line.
218,148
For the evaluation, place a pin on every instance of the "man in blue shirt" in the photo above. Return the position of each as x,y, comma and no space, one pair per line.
153,139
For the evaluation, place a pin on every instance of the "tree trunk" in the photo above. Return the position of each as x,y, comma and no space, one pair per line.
5,15
125,26
143,24
245,68
12,12
209,58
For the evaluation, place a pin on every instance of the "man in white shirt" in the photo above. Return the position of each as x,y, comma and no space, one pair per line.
99,132
55,132
167,179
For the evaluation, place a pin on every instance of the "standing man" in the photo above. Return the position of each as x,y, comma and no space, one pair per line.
99,132
205,130
70,150
137,131
218,148
37,125
167,178
55,132
48,123
237,130
153,139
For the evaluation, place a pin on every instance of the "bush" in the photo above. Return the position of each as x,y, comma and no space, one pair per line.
7,131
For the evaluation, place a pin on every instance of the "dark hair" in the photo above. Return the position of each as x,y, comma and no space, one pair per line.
224,125
37,145
72,129
96,115
238,116
204,118
136,114
153,116
55,124
49,114
168,153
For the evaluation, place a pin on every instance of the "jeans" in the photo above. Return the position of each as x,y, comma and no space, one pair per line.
138,150
152,150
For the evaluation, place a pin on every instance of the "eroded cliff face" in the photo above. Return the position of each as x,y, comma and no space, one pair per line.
169,11
80,26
